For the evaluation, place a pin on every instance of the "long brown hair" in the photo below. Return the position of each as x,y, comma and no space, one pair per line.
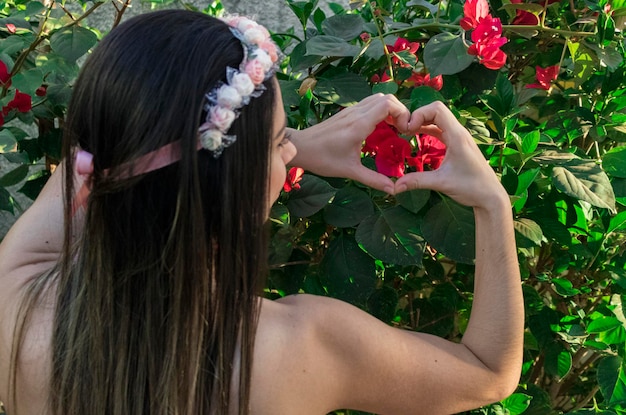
157,297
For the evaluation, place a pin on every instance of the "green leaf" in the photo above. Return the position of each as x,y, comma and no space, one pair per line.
28,81
344,26
72,42
615,335
302,9
12,44
614,162
392,236
583,62
558,360
343,89
382,303
357,4
385,88
529,229
609,370
8,143
34,184
516,403
349,207
446,54
530,142
313,195
324,45
424,95
584,180
14,176
413,200
6,201
349,273
564,287
424,5
603,324
449,227
617,222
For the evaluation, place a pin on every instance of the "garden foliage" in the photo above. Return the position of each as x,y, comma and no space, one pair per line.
540,85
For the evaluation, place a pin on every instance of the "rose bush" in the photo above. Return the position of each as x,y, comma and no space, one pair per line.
541,86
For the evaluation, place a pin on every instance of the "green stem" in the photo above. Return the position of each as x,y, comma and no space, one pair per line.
382,39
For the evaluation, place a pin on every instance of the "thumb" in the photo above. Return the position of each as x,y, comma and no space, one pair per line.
418,180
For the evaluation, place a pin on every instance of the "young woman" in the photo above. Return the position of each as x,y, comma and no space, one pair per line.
131,286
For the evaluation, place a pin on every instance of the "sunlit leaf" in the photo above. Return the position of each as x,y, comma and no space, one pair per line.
586,181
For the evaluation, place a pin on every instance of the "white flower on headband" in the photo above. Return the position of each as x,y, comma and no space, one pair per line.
229,97
211,139
224,102
242,83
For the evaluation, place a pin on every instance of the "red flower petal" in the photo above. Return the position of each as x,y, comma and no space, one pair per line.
391,156
474,11
4,73
381,133
294,176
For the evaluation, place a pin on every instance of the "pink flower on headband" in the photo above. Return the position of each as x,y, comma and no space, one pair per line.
255,71
224,102
222,118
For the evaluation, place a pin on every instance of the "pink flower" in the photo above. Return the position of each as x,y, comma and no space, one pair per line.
545,76
221,118
270,48
294,176
431,153
10,27
242,83
255,71
365,37
474,11
391,156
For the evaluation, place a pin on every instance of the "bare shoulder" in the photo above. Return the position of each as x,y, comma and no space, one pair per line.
316,354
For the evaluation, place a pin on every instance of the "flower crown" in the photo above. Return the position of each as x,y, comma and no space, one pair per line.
224,102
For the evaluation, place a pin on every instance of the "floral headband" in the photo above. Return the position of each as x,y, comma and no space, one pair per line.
224,102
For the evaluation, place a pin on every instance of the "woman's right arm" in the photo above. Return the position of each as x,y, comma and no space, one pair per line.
360,363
